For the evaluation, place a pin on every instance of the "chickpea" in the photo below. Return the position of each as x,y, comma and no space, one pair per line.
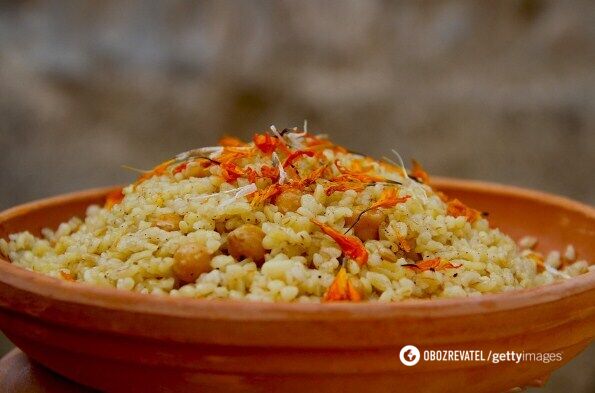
289,201
349,221
368,225
246,241
190,260
220,226
414,256
168,222
197,170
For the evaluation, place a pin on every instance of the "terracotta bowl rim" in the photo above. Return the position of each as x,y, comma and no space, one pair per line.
89,295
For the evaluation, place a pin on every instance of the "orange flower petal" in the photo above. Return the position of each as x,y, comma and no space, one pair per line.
232,153
435,264
352,175
157,171
342,289
113,198
389,198
180,168
251,174
344,186
295,155
265,194
265,143
353,293
457,208
404,245
270,172
352,246
231,171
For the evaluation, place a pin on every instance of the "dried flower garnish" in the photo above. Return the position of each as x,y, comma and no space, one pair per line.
342,289
261,196
313,176
231,171
180,168
265,143
157,171
435,264
388,198
344,186
404,245
353,175
113,198
67,276
270,172
418,172
457,208
231,154
251,174
352,246
231,141
296,155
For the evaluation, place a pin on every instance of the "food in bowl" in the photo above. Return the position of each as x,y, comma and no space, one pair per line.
289,216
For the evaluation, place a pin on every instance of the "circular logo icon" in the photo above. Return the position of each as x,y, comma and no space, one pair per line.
409,355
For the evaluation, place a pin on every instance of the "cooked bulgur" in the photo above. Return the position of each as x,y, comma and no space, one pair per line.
287,217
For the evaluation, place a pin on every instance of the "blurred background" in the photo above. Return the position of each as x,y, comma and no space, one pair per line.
500,91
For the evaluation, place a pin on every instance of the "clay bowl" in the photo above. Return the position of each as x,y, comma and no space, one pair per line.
120,341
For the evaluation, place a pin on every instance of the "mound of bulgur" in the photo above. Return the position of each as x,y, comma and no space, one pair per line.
287,217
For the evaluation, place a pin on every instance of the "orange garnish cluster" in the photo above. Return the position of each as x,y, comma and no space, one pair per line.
435,264
351,246
342,289
269,165
457,208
